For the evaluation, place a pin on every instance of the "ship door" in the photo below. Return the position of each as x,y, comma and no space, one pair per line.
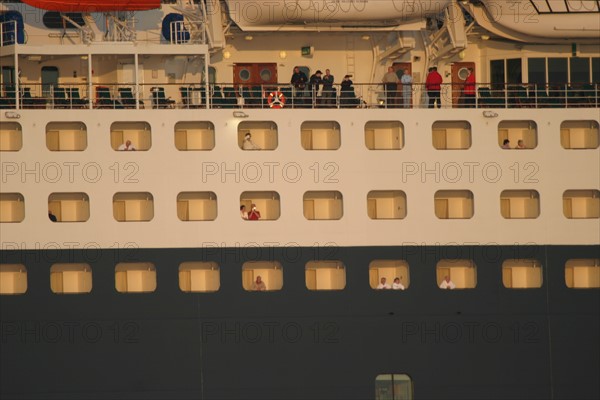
399,67
459,74
254,74
49,80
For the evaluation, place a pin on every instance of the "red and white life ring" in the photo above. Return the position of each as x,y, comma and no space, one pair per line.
276,100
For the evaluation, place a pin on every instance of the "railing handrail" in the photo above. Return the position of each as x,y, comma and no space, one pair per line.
358,95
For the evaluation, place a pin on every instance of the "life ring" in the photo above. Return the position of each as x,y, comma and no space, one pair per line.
276,100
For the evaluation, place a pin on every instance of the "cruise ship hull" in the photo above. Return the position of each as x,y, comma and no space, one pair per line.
488,342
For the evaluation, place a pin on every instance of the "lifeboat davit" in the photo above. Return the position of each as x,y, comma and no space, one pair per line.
94,5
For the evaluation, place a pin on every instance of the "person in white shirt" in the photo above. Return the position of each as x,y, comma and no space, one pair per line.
127,146
383,284
243,212
397,285
249,144
447,283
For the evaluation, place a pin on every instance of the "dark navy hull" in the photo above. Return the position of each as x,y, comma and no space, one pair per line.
487,342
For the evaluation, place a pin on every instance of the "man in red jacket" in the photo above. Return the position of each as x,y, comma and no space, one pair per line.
433,86
469,90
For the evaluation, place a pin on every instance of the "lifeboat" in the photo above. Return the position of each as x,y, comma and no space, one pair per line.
539,22
303,14
94,5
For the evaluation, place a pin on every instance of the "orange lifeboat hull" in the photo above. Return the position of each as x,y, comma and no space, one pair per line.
94,5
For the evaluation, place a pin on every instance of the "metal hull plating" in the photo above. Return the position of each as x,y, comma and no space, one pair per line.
490,342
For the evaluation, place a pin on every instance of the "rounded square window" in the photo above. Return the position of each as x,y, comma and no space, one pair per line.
579,135
386,204
13,279
518,135
456,274
522,274
325,275
454,204
451,135
520,204
257,135
12,207
130,136
197,206
11,136
581,204
393,387
384,135
66,136
70,278
320,135
135,277
389,274
133,206
194,136
68,207
582,273
199,277
323,205
260,206
262,276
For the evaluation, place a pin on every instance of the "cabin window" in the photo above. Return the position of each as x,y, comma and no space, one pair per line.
386,204
451,135
536,68
558,71
522,274
596,70
194,136
320,135
520,204
54,20
325,275
514,72
579,71
579,134
581,204
212,75
69,207
257,135
199,277
13,279
304,69
520,134
323,205
133,206
582,273
456,274
384,135
11,136
135,277
393,387
197,206
262,276
504,72
70,278
66,136
389,274
454,204
260,206
130,136
12,207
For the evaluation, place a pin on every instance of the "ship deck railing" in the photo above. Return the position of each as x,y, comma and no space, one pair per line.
170,96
